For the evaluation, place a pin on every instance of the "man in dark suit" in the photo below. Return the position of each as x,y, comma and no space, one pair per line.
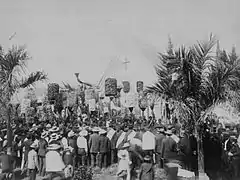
185,148
94,146
169,148
160,136
113,146
104,148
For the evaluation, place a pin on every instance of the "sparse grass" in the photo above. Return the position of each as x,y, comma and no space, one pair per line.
110,173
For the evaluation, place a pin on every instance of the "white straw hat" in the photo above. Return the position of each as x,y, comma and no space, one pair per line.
83,133
54,129
102,131
54,147
71,134
34,145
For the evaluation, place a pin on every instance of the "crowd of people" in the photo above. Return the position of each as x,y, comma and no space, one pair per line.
58,148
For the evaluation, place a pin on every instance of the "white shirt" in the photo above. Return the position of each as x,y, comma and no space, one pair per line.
148,141
64,142
54,162
82,143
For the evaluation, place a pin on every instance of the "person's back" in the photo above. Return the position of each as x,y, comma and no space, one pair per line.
93,143
72,142
27,145
6,163
67,157
42,147
159,140
104,144
169,149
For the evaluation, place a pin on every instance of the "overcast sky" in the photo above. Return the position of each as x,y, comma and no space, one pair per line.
68,36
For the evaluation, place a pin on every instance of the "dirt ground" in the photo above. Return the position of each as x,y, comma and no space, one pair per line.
109,174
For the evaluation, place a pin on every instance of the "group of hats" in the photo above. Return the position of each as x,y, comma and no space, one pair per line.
161,128
83,132
54,147
99,130
53,131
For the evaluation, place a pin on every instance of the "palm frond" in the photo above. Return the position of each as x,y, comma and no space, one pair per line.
202,50
203,80
233,97
68,86
12,63
32,79
15,57
182,111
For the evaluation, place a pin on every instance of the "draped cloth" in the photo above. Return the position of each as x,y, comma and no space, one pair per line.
54,162
120,139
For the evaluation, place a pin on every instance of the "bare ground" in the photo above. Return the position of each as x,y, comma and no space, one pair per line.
110,174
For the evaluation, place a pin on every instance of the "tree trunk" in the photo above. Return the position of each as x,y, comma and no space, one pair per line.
200,154
9,128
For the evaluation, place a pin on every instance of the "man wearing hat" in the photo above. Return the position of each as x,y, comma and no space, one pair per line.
72,142
160,136
169,150
82,147
113,137
94,146
26,146
42,152
33,165
104,148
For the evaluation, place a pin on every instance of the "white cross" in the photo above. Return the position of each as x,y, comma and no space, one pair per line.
125,63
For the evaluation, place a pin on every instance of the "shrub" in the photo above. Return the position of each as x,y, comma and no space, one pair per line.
83,173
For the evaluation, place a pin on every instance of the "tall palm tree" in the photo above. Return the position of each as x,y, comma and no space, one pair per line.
13,65
197,80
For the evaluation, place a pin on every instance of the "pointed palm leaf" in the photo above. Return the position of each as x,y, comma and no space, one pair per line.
32,79
68,86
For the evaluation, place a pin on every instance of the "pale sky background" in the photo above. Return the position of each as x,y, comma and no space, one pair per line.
68,36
